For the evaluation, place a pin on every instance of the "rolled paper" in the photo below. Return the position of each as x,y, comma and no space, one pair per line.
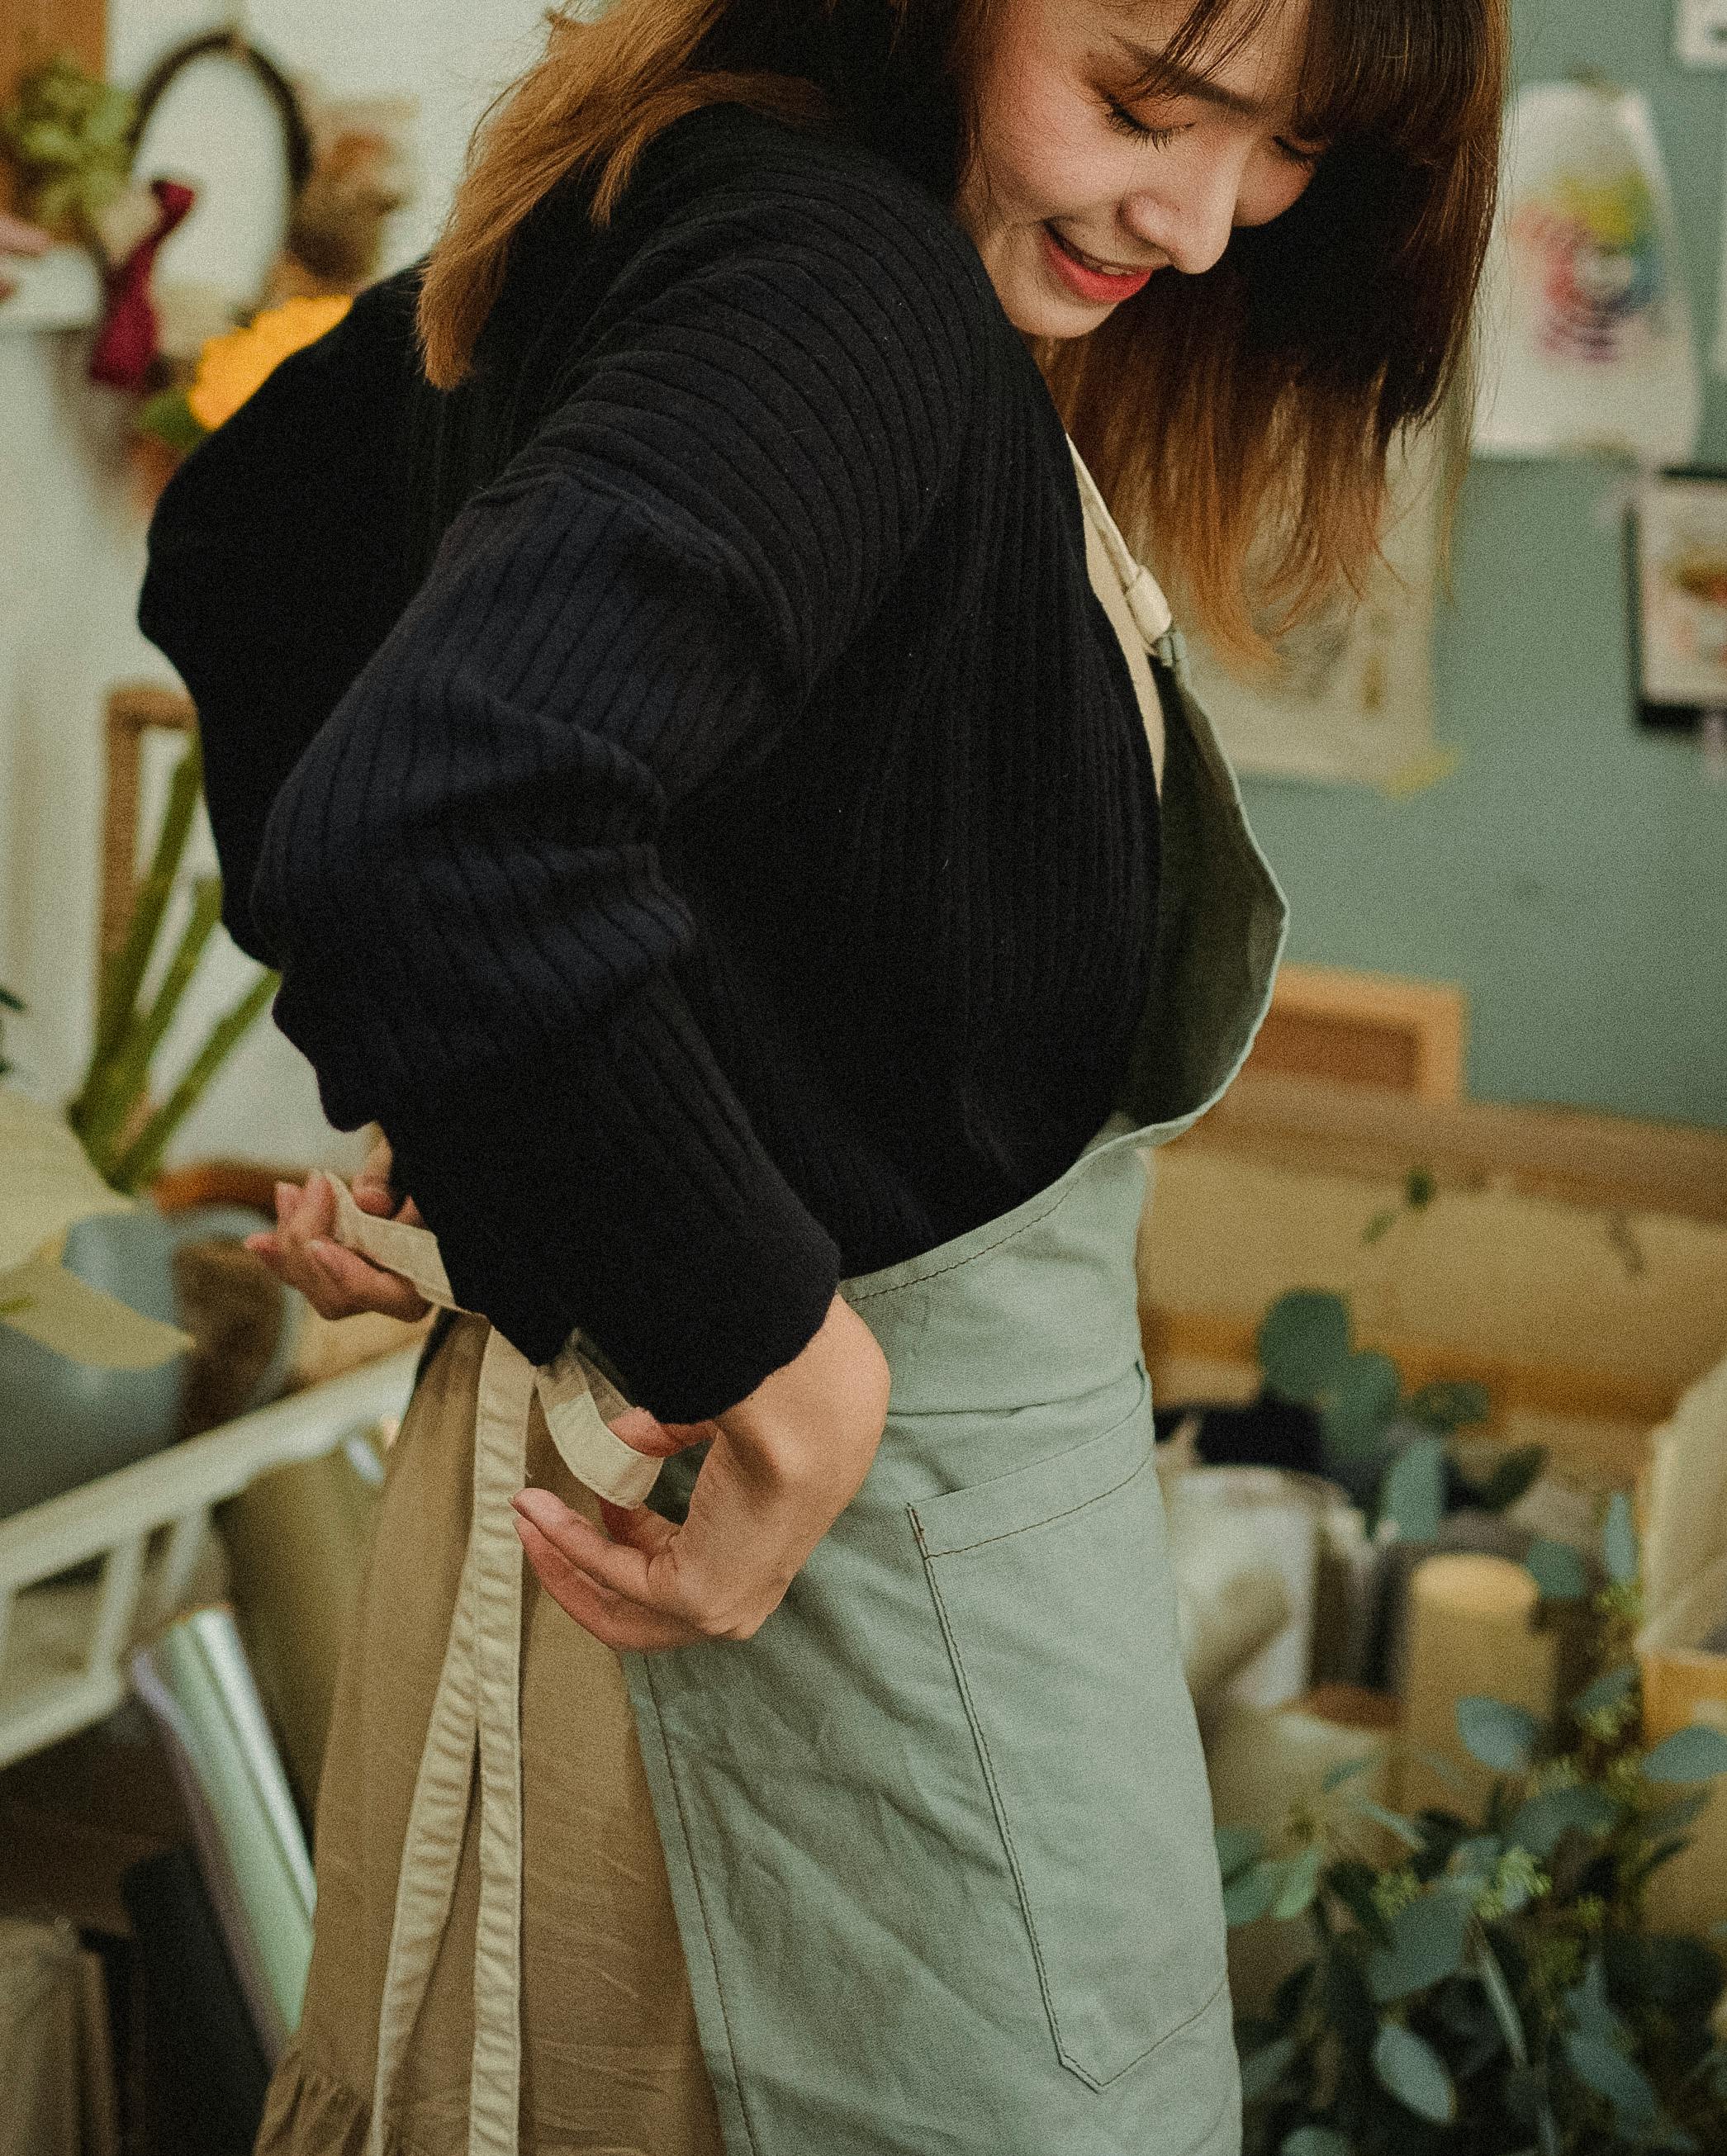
1226,1621
1274,1516
1472,1632
1685,1504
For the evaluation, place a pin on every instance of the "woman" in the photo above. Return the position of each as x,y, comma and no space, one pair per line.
728,805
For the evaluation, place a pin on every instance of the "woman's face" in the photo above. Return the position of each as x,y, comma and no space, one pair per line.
1067,165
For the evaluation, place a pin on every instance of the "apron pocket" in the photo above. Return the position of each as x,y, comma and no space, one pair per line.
1055,1597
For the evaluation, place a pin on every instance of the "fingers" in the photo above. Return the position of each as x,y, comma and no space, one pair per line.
645,1433
625,1592
618,1624
372,1186
337,1281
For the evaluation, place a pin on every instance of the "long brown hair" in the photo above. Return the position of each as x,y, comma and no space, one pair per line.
1241,421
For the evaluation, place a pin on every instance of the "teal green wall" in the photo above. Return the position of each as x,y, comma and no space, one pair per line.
1572,874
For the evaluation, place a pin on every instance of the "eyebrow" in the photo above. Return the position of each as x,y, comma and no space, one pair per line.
1177,80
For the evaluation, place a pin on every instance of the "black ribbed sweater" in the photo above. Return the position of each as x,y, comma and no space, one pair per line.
692,792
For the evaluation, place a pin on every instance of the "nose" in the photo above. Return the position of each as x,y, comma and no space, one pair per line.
1192,215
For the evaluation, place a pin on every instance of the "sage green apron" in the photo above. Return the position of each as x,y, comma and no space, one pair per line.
938,1835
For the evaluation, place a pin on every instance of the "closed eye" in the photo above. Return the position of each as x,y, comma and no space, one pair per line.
1122,119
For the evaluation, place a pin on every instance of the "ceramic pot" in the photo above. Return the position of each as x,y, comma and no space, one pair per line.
64,1423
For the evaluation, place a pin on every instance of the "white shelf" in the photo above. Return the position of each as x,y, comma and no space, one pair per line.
58,290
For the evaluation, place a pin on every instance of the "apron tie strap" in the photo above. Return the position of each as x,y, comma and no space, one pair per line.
1150,609
478,1702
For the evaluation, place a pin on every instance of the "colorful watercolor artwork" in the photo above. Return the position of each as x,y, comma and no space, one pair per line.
1679,558
1586,322
1352,701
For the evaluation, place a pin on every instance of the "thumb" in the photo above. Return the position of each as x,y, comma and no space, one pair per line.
643,1432
640,1526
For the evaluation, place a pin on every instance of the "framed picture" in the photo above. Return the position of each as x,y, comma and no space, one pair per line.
1676,550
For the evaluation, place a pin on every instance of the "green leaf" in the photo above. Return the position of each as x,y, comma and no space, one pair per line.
1450,1407
1304,1343
1413,1492
1543,1822
1363,1403
169,416
1500,1736
1611,2075
1696,1754
1558,1571
1410,2069
1237,1847
1675,1817
1405,1831
1607,1690
1515,1475
1476,1859
1261,2073
1314,2141
1301,1882
1619,1541
1428,1936
1590,2006
1249,1896
1336,1776
1499,1998
1353,1883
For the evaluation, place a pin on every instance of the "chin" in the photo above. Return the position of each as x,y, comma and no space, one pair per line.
1041,315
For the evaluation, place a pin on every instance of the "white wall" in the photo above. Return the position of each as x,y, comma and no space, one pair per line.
72,550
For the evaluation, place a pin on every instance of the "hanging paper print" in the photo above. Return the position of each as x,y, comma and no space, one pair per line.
1588,339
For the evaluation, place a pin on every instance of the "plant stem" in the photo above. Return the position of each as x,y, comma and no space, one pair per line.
123,975
142,1158
128,1069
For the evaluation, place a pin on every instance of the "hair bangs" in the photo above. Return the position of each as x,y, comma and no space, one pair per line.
1397,74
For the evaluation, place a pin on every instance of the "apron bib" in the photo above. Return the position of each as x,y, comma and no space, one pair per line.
938,1835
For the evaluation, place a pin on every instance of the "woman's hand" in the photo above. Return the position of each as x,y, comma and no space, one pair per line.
335,1281
784,1465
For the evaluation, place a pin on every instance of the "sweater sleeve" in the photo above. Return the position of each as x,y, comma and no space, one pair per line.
263,586
460,878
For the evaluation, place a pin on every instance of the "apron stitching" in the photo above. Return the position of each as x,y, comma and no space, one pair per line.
964,1548
993,1782
984,1249
683,1820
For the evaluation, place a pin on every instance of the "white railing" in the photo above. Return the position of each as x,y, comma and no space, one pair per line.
62,1646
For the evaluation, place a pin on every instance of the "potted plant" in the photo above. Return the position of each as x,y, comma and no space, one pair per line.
1493,1989
73,1416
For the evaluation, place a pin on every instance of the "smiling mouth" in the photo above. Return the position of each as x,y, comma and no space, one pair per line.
1091,262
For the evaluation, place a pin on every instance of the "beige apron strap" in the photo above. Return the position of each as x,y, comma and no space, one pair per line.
596,1455
479,1702
1150,609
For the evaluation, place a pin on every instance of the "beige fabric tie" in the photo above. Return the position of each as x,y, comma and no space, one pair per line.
478,1700
1132,598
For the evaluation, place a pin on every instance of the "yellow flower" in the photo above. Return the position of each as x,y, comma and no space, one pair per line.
230,367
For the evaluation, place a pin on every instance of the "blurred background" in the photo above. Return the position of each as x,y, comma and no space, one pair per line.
1434,1305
